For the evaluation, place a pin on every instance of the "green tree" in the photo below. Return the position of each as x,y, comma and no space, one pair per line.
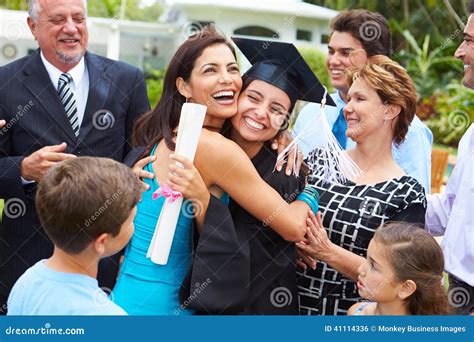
434,17
317,62
105,8
19,5
133,11
423,64
454,114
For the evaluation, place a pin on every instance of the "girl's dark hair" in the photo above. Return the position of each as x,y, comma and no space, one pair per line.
415,255
159,123
246,81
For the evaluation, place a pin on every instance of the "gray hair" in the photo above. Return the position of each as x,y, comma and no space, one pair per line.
34,8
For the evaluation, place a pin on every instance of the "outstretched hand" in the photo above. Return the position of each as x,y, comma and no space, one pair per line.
317,243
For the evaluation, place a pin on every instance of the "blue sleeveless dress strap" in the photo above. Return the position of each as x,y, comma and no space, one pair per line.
359,310
145,288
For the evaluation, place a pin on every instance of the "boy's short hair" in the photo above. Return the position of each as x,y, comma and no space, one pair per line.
82,198
370,28
470,7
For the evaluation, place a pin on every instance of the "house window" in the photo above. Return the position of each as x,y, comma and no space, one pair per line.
257,31
304,35
325,38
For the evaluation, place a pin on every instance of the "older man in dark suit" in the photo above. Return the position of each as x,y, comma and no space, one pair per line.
59,103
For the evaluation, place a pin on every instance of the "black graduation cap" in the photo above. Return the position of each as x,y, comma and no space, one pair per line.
280,64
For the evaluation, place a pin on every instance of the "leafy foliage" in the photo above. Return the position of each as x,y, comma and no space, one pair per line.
154,81
430,69
105,8
420,17
134,10
454,113
317,62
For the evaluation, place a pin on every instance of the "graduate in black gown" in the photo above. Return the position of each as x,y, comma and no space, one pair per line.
247,267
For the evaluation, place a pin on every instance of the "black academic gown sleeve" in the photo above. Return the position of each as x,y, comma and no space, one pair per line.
218,279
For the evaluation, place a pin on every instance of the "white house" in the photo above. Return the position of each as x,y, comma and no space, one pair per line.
151,45
286,20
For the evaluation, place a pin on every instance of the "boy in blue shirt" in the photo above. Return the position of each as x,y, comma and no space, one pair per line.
86,206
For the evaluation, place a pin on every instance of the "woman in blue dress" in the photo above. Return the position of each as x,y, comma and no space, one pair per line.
203,70
145,288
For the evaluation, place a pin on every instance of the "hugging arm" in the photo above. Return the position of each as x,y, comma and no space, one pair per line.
223,163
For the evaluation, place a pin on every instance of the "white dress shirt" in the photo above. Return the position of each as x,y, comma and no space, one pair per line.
451,213
79,85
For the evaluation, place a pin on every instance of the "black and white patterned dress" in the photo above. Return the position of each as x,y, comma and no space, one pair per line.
351,213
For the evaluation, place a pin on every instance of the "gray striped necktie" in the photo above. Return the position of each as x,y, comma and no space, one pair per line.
68,101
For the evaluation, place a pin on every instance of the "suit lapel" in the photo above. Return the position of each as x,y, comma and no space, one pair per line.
99,88
37,80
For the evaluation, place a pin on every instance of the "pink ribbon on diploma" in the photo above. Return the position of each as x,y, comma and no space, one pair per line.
166,191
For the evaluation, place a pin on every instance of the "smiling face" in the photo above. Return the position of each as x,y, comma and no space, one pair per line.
215,82
61,31
465,53
364,112
376,280
340,47
263,109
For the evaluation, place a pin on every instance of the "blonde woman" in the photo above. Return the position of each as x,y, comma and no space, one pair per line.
381,105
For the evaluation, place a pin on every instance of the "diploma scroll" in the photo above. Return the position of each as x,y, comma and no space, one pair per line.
189,131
